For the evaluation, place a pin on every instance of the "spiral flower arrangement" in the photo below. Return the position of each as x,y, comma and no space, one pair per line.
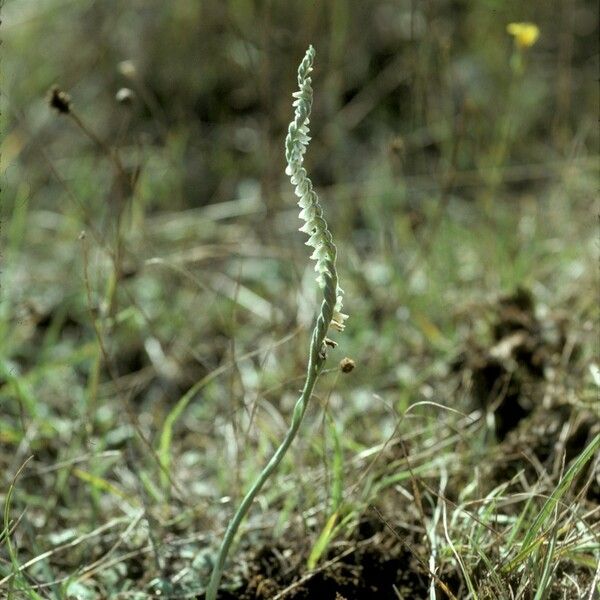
330,314
311,213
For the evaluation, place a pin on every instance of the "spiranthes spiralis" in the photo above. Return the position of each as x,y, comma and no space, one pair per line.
330,315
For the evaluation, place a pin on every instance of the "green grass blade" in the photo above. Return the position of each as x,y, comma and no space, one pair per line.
322,542
547,570
533,537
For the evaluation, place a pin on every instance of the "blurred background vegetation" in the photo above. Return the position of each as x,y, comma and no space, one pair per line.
453,165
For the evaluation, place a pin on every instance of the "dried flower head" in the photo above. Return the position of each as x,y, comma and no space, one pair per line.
347,365
59,100
127,69
125,96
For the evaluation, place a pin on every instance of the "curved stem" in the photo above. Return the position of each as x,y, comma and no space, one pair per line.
315,364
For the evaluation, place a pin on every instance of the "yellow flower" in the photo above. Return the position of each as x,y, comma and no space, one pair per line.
525,34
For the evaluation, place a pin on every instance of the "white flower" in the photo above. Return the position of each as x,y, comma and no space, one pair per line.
315,226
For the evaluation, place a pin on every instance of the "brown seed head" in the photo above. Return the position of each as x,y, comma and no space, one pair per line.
347,365
59,100
124,96
127,69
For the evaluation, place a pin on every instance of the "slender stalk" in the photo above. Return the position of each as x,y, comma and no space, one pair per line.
325,255
315,365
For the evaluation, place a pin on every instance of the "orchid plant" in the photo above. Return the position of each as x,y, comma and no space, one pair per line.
330,315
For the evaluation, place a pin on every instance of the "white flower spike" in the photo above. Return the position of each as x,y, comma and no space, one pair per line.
311,212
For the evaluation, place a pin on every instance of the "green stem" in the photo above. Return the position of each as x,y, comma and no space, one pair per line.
315,364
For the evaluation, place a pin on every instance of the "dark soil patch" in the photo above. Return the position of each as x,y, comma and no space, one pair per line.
521,379
359,569
367,571
507,376
550,439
